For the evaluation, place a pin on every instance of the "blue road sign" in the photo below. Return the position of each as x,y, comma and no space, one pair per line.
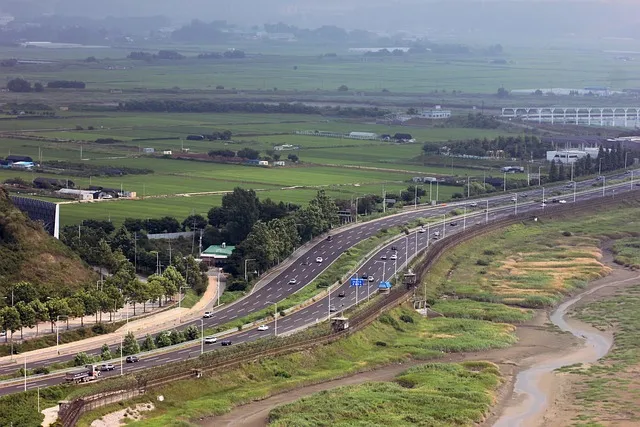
356,282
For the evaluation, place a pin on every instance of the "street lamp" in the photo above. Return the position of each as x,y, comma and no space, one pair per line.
539,176
245,267
574,191
121,355
218,283
275,316
464,219
516,207
384,268
504,182
58,332
486,213
543,200
444,225
201,336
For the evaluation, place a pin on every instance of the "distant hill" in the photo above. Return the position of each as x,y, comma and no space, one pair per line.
28,253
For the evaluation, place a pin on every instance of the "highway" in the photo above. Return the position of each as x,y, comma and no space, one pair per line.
307,269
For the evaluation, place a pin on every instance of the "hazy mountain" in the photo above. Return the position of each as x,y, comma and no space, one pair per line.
504,17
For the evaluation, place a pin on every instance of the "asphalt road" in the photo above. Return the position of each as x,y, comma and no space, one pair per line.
307,269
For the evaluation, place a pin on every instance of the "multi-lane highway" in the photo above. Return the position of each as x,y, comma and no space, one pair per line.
306,269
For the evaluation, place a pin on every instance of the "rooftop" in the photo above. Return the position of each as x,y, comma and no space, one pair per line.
218,251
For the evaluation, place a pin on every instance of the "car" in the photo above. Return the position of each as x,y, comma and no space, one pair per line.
365,276
562,202
3,333
293,281
473,205
332,309
371,278
453,224
263,327
422,230
394,248
210,340
554,200
542,205
341,294
319,259
524,195
225,343
394,256
383,257
436,234
132,359
329,238
207,314
106,367
514,199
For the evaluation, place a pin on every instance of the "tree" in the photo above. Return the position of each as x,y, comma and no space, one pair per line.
502,93
57,307
148,344
76,308
562,173
343,88
174,281
135,292
105,353
38,87
194,222
25,292
91,302
19,85
240,210
27,315
155,288
163,339
82,359
553,172
248,153
10,319
191,333
294,158
176,337
130,345
41,311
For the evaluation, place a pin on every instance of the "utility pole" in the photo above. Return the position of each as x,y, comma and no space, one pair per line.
384,200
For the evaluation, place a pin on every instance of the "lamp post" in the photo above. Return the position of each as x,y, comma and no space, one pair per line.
58,332
218,283
516,206
444,225
201,336
245,267
574,191
430,192
464,219
384,268
543,200
486,213
632,179
539,176
504,182
437,191
121,355
275,316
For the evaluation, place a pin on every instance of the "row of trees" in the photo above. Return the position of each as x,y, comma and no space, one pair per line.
520,147
66,84
22,85
607,160
185,106
162,54
229,54
28,307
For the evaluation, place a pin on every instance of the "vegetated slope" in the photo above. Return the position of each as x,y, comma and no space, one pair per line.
28,253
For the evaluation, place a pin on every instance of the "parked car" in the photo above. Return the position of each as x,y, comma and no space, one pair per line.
319,259
341,294
106,367
225,343
263,327
207,314
394,256
293,281
210,340
132,359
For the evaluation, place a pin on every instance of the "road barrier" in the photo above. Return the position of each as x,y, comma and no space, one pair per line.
122,388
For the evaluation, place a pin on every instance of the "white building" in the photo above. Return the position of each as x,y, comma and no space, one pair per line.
436,113
148,150
363,135
79,194
571,156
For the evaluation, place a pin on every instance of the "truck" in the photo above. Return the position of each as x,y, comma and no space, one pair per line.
83,375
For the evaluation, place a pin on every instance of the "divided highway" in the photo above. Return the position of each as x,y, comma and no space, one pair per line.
306,269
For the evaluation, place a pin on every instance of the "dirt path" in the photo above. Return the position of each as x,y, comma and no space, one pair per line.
539,342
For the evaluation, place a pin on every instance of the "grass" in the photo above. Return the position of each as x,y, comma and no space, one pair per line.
190,299
627,252
611,386
492,312
388,340
433,394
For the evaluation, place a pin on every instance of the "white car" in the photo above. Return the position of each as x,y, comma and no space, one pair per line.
207,314
319,259
562,202
293,281
542,205
421,230
514,199
473,205
394,256
210,340
263,327
106,367
370,278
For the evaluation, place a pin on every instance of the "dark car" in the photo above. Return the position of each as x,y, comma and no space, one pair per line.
225,342
132,359
394,248
329,238
453,224
555,201
341,294
365,276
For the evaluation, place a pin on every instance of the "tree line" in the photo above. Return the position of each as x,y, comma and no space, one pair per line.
519,147
22,85
607,160
185,106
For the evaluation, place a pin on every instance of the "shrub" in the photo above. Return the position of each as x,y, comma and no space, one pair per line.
567,234
381,344
482,262
406,318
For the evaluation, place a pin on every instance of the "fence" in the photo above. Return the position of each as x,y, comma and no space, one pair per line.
70,412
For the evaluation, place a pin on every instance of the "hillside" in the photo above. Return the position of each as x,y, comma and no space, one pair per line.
28,253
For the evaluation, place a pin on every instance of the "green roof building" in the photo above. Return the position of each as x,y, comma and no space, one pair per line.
217,254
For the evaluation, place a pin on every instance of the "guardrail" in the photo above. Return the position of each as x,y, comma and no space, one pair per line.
137,384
